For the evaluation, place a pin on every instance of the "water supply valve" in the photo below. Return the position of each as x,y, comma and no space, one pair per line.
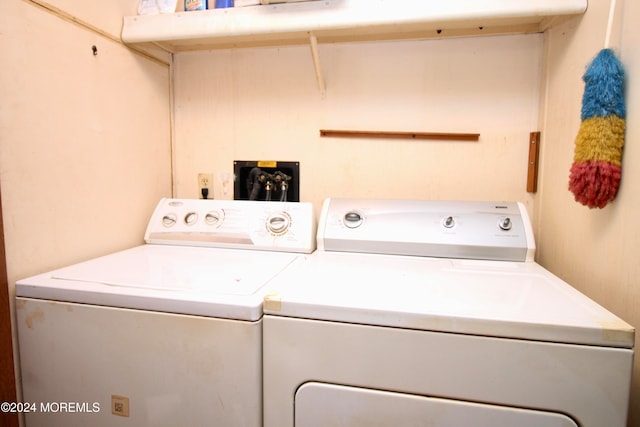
266,181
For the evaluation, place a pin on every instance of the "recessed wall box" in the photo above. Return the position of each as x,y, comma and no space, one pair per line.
266,180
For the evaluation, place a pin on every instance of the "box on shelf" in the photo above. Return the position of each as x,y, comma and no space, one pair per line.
280,1
240,3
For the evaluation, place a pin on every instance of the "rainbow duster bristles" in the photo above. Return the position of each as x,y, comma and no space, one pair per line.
596,171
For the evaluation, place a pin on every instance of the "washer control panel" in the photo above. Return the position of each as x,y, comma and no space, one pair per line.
450,229
238,224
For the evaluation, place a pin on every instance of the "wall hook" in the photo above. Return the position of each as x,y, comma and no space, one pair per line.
94,49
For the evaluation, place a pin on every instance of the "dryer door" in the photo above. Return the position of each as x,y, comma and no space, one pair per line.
329,405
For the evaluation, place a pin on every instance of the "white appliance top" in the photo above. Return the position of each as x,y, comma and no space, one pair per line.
220,274
510,299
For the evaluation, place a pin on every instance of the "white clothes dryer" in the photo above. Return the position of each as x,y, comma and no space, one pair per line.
168,333
433,313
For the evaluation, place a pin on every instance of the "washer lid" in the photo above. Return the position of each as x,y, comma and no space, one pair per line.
178,279
488,298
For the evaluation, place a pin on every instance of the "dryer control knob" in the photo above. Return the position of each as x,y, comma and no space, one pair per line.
353,219
278,223
505,224
448,222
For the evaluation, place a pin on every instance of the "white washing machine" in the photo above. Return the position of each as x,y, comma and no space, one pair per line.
433,313
165,334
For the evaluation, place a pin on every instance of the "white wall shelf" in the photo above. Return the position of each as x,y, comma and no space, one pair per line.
343,21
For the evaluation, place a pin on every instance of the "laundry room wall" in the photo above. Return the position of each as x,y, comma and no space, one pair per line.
84,138
85,151
596,250
264,104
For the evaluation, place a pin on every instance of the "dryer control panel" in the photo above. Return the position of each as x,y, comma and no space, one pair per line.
240,224
449,229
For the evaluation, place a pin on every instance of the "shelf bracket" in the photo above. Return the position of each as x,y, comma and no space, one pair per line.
313,41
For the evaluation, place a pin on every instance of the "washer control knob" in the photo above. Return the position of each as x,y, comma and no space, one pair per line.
448,222
169,220
278,223
505,224
190,218
214,218
353,219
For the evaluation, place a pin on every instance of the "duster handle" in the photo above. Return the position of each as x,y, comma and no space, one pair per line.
612,12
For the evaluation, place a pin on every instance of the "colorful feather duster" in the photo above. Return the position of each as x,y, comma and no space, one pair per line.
596,171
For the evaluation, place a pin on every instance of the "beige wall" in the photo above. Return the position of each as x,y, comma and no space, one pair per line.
84,139
264,104
595,250
85,143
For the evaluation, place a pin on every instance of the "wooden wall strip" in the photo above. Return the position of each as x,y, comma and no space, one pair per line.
442,136
532,169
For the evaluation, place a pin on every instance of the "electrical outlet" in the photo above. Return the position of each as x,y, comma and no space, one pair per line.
205,181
